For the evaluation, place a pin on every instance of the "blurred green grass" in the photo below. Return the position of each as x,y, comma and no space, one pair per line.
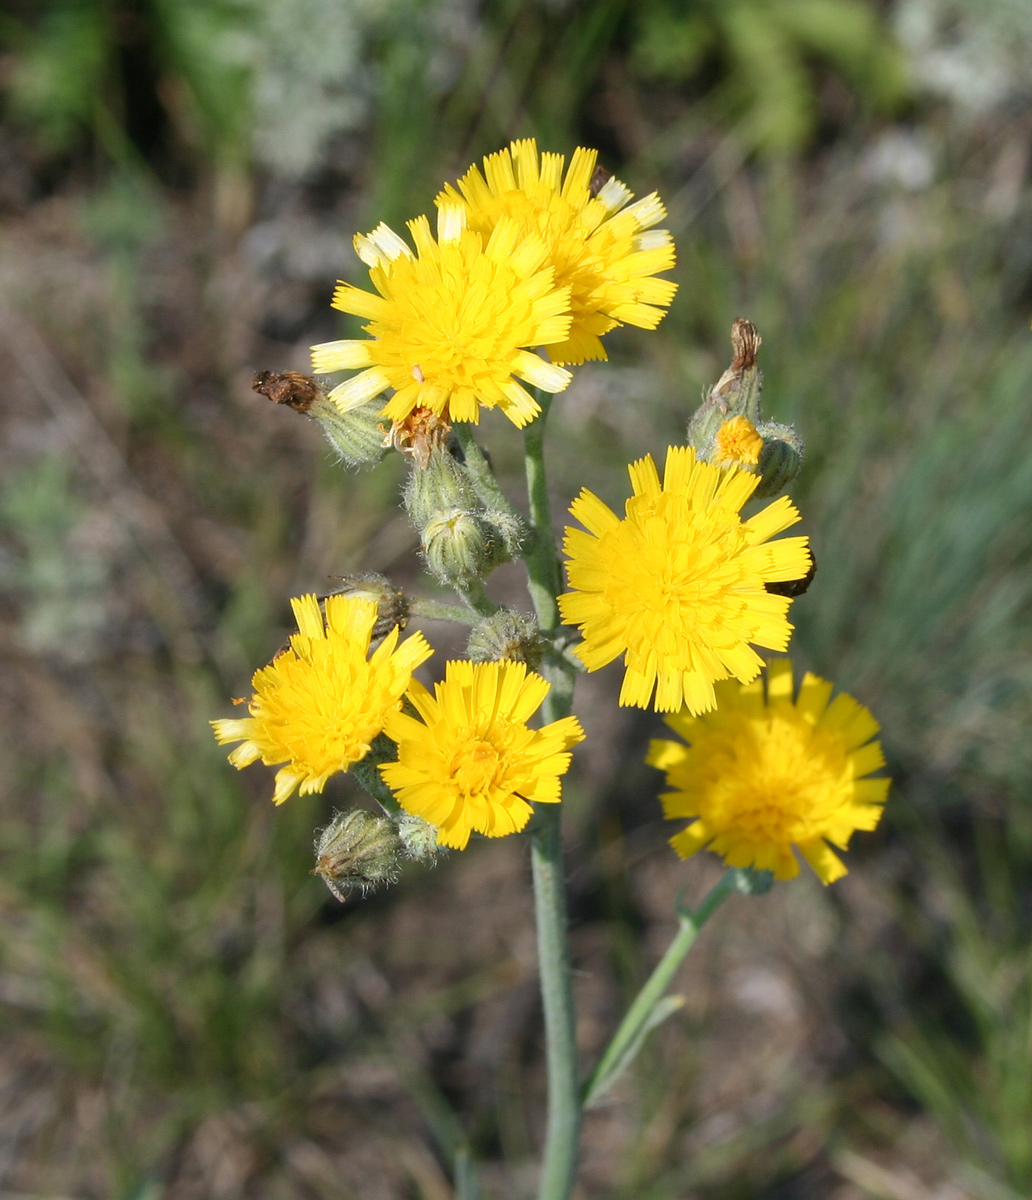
187,1012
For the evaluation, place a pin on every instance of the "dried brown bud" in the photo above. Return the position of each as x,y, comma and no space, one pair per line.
736,393
421,432
745,346
745,342
291,388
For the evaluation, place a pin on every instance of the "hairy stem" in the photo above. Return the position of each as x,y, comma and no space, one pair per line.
435,610
478,600
543,571
559,1166
480,469
371,780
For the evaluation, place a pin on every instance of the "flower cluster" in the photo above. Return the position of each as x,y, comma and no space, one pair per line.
532,263
524,259
471,763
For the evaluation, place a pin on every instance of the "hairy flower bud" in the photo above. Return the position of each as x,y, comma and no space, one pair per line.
357,850
508,534
443,485
457,545
780,459
463,540
418,837
357,436
392,603
727,431
506,635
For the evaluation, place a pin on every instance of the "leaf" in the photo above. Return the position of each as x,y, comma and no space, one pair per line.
603,1080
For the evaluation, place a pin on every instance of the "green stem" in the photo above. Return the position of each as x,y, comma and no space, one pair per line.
371,779
478,600
562,1136
543,571
562,655
367,776
435,610
467,1186
690,922
484,479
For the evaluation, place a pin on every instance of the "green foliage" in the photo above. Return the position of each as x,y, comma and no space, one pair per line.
62,71
479,95
202,44
156,924
240,79
60,586
72,76
972,1068
124,220
766,50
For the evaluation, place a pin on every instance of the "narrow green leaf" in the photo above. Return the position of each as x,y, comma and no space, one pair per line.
664,1008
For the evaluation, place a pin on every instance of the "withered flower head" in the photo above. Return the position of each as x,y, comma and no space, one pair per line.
291,388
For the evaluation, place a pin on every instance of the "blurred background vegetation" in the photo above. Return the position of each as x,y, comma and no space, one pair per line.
186,1011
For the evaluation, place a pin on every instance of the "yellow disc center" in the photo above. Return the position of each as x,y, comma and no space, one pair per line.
474,767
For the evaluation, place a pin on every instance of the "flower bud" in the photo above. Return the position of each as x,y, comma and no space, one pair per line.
392,603
441,486
727,430
736,393
780,459
462,541
418,837
506,635
357,436
357,849
457,545
508,534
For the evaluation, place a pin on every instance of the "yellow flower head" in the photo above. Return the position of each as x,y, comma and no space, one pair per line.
607,254
318,706
677,586
471,763
451,324
737,443
763,774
